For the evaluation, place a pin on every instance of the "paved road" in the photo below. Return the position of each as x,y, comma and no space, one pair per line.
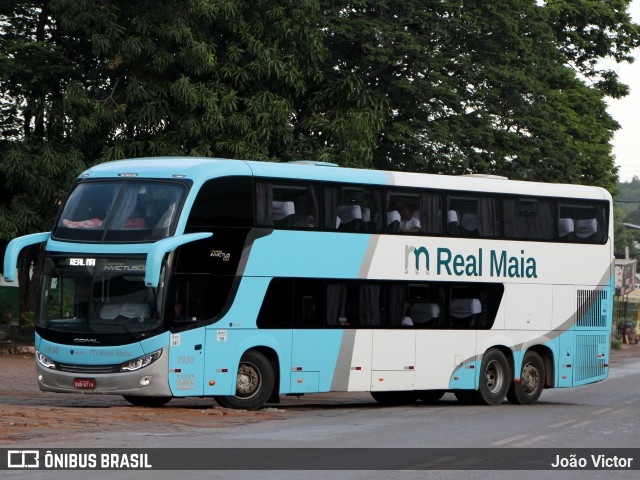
601,415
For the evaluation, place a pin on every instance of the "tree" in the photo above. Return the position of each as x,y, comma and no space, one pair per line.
205,78
484,86
507,87
624,238
589,30
37,158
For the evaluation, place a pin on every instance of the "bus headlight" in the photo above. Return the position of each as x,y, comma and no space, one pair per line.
140,362
45,361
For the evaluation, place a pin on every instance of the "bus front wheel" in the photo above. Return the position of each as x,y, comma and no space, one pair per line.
254,383
531,383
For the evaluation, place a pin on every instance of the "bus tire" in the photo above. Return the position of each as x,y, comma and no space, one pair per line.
254,383
395,398
532,380
495,378
139,401
430,396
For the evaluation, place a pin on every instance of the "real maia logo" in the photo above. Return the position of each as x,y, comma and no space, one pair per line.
501,263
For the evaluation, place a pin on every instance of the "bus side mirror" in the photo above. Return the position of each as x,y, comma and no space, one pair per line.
160,248
13,251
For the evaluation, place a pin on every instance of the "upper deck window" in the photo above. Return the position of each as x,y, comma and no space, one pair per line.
414,211
528,218
352,208
582,222
473,216
286,205
120,211
223,202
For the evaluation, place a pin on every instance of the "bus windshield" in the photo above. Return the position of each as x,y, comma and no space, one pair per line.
97,295
120,211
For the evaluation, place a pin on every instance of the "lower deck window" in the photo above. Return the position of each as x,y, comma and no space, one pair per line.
313,303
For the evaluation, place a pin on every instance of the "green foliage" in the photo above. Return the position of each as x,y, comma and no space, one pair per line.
623,237
591,29
205,78
482,86
511,87
628,198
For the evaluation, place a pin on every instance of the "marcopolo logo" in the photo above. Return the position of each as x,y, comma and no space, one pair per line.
494,263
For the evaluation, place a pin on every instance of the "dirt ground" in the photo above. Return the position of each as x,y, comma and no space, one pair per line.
27,413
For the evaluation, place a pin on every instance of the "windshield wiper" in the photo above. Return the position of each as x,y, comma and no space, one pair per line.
116,325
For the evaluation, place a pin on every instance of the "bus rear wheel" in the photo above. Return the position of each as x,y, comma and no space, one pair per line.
254,383
146,401
395,398
532,380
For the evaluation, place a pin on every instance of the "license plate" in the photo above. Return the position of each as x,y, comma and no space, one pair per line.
84,383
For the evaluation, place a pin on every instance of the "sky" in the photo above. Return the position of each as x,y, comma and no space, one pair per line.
626,142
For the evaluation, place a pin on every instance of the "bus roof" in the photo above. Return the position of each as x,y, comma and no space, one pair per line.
201,169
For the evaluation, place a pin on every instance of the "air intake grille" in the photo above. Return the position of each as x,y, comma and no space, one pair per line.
65,367
592,308
589,362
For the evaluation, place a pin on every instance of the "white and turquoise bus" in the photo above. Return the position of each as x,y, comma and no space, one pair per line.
239,280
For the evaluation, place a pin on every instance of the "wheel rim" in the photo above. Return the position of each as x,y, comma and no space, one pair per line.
248,380
530,379
494,376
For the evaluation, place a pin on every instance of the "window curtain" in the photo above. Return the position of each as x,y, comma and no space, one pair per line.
430,213
535,226
330,195
488,225
376,209
601,217
264,204
127,203
397,304
312,205
336,300
370,315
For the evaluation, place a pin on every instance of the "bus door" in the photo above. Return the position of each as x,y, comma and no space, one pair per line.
186,347
186,362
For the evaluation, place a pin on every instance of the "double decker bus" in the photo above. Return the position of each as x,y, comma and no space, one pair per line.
243,281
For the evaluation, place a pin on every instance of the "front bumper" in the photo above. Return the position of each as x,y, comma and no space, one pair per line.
120,383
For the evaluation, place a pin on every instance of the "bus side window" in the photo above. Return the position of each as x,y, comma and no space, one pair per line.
198,298
528,218
582,222
308,303
355,304
352,208
277,308
416,211
475,216
223,202
188,305
287,205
